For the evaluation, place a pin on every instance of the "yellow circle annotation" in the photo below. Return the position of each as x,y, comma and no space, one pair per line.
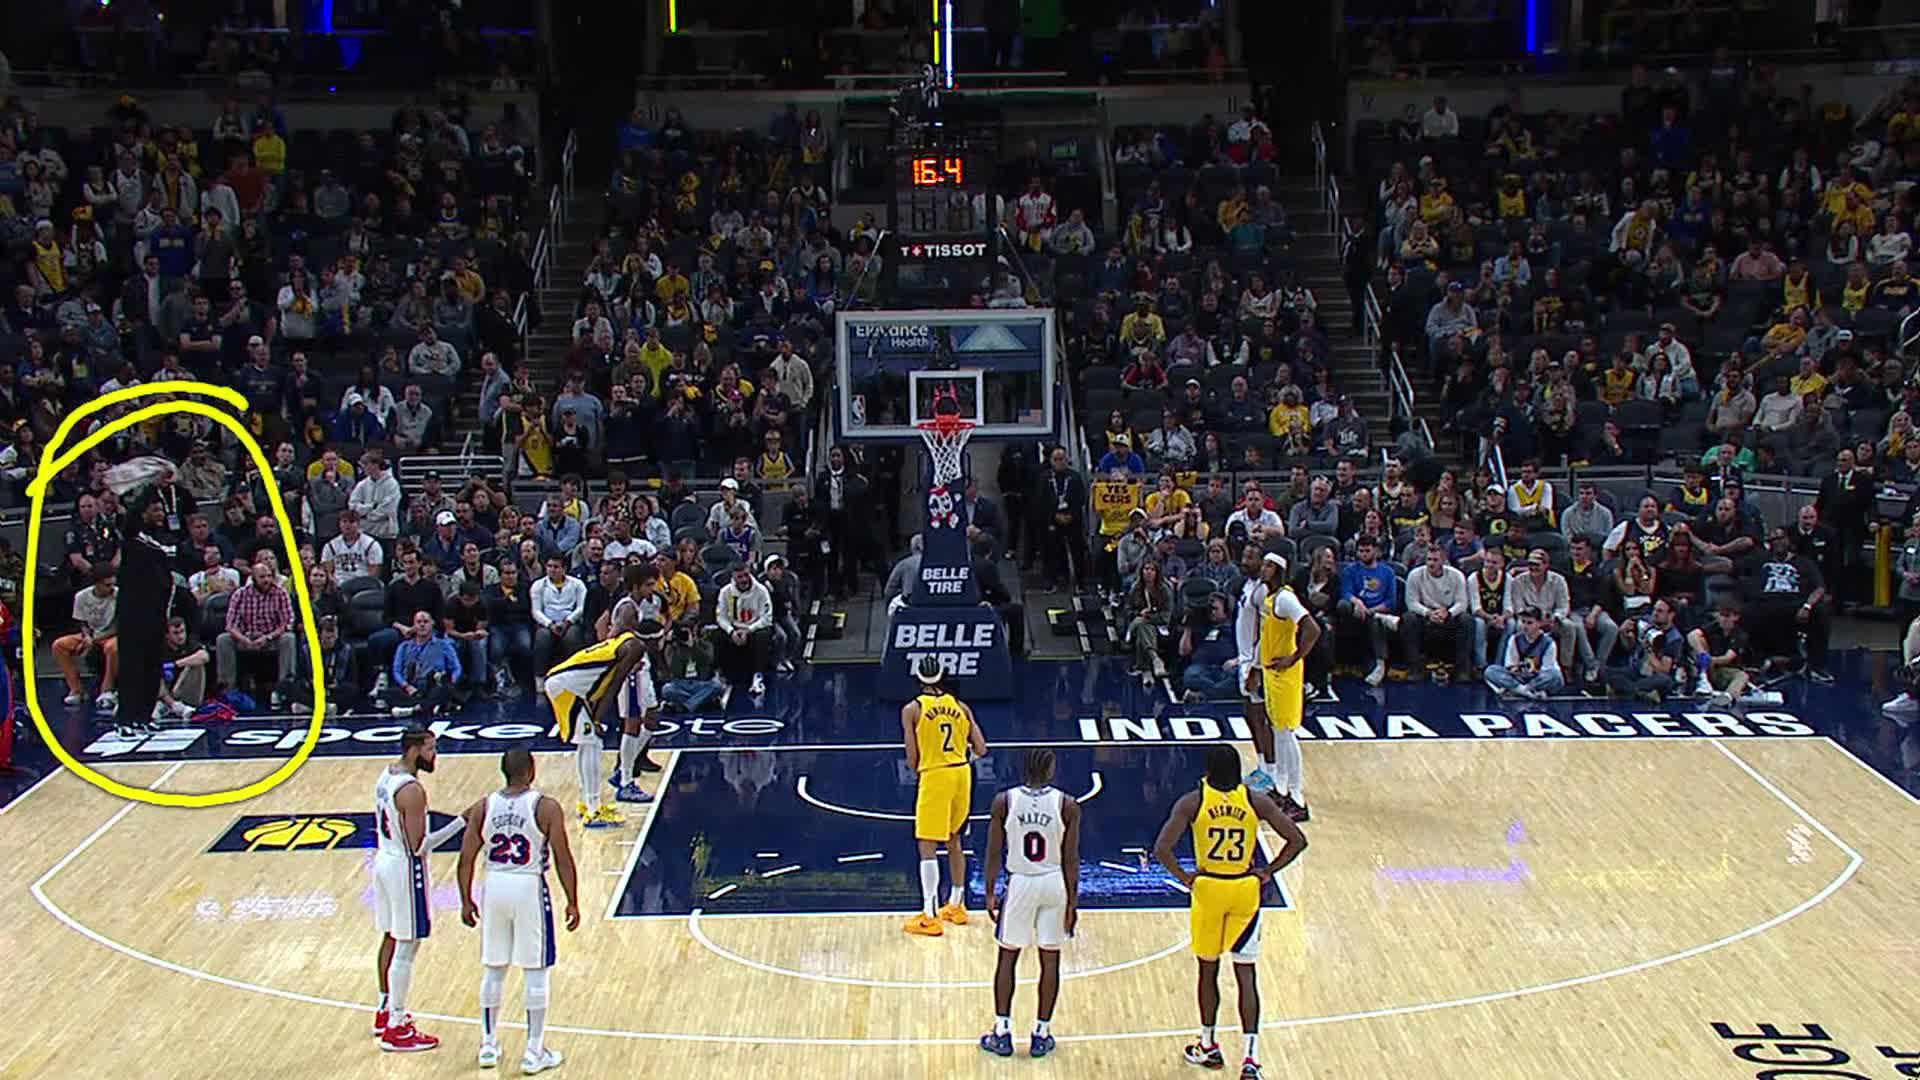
53,461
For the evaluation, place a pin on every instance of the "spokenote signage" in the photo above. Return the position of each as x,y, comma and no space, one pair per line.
266,739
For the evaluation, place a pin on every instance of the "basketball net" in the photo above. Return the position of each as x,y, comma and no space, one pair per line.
946,437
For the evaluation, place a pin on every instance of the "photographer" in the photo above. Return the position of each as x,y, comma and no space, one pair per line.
690,682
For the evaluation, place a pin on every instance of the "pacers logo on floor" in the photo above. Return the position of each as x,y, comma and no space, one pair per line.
308,832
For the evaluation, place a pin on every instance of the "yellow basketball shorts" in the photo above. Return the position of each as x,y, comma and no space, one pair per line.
945,799
1225,918
1286,700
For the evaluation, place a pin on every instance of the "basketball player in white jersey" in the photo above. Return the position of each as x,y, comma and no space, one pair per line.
1038,827
521,830
642,610
400,886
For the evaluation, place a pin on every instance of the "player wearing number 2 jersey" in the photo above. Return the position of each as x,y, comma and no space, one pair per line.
1038,828
1224,819
942,740
517,831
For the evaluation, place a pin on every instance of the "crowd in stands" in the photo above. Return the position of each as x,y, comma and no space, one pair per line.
1520,585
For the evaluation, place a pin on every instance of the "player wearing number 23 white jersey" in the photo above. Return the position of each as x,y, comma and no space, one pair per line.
1037,827
516,832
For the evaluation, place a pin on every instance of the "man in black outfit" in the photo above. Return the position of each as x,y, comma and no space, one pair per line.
146,603
800,521
1816,540
1060,510
994,591
1845,503
1786,598
842,493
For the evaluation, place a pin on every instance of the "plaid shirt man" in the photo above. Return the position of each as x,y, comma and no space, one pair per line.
258,612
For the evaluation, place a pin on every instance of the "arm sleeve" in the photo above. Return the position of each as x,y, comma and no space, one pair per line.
538,606
723,610
575,593
1414,604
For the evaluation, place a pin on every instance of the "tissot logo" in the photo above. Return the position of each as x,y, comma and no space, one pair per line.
968,250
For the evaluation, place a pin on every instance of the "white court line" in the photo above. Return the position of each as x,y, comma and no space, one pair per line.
1857,760
1120,867
699,935
808,797
639,840
766,854
1854,856
1855,862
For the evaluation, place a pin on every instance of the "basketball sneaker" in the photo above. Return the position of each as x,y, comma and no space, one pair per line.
608,817
1257,781
547,1058
925,926
1041,1046
380,1021
489,1055
407,1039
1250,1070
1207,1057
955,914
997,1044
633,793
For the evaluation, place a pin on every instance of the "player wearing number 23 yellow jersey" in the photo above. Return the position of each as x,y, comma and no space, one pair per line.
941,740
1224,819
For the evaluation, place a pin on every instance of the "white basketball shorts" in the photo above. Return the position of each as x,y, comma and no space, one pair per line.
1034,913
516,922
400,891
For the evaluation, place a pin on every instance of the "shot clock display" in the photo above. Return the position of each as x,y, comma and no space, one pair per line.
940,193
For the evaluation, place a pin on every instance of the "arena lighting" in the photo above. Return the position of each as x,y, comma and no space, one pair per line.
673,16
1533,27
947,29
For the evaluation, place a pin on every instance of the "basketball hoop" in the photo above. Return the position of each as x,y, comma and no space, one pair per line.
946,437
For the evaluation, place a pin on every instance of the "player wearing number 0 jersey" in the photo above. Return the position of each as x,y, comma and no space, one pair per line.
1224,818
1038,828
1287,634
516,831
942,740
400,884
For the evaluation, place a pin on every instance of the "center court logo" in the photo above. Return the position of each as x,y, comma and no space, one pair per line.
346,831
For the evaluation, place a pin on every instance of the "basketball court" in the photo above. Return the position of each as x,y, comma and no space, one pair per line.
1566,891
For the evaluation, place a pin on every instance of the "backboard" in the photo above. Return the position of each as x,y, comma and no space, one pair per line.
1001,363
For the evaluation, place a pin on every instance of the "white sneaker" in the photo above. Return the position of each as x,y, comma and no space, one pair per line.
1379,673
1761,697
161,712
756,688
1702,687
489,1055
76,699
548,1058
107,701
182,710
1391,622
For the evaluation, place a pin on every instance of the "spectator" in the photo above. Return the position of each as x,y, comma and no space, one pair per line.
1211,652
425,669
259,623
1369,593
743,636
1437,604
432,356
1594,628
411,591
1440,121
1488,607
96,615
1654,662
1788,599
1530,666
376,498
558,605
1588,516
509,626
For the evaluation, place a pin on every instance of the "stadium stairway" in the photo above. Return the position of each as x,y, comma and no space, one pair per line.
1316,258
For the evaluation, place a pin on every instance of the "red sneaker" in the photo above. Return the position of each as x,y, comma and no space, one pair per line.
406,1039
380,1020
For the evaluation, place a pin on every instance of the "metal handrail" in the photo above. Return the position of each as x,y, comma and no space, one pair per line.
1909,332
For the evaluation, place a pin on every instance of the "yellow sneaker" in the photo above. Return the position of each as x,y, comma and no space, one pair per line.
955,914
925,926
609,816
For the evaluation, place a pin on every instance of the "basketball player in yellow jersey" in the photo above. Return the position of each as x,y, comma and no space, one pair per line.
1224,819
1287,635
583,689
942,740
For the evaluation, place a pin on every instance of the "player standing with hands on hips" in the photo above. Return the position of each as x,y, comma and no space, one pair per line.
1224,819
521,830
1038,827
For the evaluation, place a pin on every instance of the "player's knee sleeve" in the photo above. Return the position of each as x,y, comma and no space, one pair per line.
403,952
493,986
538,988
